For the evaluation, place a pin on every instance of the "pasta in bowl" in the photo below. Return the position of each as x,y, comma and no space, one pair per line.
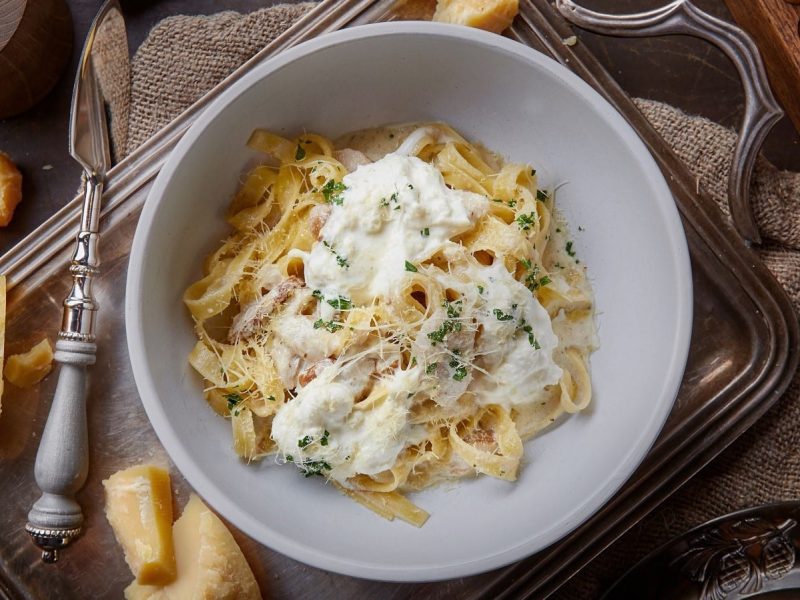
392,323
624,231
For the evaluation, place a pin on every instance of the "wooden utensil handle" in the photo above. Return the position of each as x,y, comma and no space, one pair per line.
35,48
62,461
775,26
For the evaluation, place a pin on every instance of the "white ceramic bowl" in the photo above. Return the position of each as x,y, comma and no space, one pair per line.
517,102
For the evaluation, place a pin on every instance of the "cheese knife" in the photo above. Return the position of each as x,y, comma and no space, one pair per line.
62,461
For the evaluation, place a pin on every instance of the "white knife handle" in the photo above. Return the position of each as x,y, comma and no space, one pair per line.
62,461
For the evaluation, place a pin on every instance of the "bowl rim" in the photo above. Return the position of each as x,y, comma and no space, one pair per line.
216,497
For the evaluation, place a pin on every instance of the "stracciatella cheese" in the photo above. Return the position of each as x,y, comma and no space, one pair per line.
393,212
323,424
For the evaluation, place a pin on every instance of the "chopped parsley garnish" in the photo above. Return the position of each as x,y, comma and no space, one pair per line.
542,196
393,197
526,262
271,398
453,308
480,289
318,295
512,203
446,328
340,260
501,316
411,187
569,249
331,326
307,440
234,400
332,191
430,368
413,361
425,232
289,458
449,326
310,467
300,153
525,222
384,202
581,228
532,280
459,369
531,337
410,267
533,172
341,303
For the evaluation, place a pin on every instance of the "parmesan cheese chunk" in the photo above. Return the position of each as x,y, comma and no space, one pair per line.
491,15
139,508
211,565
10,189
28,369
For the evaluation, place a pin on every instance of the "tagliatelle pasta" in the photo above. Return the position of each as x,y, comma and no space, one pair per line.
390,311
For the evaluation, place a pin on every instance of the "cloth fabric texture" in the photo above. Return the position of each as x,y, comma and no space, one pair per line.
184,57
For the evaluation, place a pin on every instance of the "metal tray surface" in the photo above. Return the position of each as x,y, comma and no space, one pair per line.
750,553
738,365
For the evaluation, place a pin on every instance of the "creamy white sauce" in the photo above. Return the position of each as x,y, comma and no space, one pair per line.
360,439
394,211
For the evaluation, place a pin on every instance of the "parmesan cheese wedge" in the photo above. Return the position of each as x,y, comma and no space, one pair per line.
139,508
211,565
28,369
10,189
491,15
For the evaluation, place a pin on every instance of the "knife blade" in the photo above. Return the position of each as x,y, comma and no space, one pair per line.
62,461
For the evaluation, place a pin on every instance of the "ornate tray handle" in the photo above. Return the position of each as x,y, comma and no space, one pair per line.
761,110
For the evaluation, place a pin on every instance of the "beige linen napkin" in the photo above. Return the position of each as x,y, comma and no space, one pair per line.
183,57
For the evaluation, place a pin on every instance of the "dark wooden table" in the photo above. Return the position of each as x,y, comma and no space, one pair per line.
682,71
